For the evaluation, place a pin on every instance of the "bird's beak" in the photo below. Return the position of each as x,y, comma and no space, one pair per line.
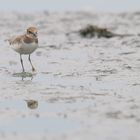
35,34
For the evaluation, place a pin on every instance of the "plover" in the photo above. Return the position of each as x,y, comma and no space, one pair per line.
25,44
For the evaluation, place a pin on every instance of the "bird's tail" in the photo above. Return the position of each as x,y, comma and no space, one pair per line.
9,41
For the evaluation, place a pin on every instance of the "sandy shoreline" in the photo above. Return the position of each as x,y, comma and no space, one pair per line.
83,88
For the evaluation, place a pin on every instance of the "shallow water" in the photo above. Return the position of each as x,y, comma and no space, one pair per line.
35,121
82,88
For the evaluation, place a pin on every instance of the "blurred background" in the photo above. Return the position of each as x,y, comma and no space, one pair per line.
69,5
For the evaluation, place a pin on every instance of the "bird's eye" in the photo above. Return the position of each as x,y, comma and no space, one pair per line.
29,32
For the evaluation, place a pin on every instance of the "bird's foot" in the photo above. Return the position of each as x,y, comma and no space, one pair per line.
33,69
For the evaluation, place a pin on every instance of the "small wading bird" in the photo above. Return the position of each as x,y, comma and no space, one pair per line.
25,44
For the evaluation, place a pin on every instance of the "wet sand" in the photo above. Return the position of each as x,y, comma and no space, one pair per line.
82,89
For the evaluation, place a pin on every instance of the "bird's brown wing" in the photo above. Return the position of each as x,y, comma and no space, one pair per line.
22,38
16,40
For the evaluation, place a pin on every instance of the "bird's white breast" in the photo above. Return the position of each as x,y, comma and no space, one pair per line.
25,48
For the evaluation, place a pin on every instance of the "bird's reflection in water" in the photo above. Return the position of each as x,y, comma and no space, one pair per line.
24,75
32,104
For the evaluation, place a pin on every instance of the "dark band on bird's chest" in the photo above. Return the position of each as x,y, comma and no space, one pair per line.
30,40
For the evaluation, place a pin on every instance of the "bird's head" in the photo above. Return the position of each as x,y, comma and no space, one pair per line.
32,31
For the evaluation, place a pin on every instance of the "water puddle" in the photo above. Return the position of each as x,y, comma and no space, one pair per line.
31,116
36,125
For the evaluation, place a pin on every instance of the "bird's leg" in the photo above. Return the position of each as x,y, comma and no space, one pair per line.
33,69
22,63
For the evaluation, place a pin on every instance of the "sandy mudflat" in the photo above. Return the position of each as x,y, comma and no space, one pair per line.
84,89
